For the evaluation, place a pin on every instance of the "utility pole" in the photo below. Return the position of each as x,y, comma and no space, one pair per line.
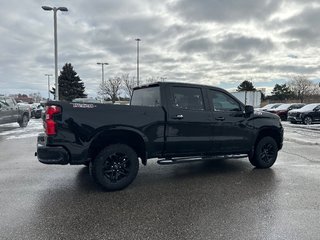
102,64
138,40
54,9
48,75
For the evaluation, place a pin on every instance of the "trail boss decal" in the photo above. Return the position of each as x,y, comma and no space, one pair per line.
83,105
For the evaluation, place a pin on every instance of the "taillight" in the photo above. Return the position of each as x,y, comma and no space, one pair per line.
50,124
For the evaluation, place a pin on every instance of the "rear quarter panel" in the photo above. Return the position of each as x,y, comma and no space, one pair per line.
79,124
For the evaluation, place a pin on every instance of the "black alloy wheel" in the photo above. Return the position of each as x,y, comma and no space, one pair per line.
115,167
265,153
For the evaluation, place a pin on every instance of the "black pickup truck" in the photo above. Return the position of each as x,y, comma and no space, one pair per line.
169,121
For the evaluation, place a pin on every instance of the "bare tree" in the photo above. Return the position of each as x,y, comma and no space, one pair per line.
110,89
128,84
36,96
302,87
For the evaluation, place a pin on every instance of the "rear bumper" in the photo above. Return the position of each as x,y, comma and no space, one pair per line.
50,154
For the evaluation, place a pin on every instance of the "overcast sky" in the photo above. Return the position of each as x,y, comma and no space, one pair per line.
215,42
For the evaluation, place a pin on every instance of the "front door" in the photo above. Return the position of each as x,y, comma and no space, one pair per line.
231,130
188,129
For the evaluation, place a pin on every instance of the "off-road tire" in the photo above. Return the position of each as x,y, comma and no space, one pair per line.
115,167
265,153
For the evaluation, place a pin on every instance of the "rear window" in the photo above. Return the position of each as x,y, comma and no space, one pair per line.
149,97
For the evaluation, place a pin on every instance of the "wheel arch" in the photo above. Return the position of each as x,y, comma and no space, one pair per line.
270,132
119,136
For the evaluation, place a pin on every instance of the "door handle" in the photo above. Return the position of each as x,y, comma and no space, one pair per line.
178,116
220,118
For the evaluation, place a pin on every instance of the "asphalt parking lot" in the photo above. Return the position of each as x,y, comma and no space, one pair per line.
217,199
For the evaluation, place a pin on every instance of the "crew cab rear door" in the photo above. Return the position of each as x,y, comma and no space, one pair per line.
188,129
229,127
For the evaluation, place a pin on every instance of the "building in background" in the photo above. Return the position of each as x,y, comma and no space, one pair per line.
252,98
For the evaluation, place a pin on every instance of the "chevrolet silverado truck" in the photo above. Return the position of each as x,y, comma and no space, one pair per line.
168,121
11,112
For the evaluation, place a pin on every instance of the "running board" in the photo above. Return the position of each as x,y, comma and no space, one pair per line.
178,160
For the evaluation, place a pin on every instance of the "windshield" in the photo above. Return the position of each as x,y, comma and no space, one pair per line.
283,107
268,106
149,96
271,105
309,107
276,105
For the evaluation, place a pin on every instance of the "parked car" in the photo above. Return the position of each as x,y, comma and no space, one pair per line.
282,110
308,114
33,107
38,111
164,120
11,111
268,107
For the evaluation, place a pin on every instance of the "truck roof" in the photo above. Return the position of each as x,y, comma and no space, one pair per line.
178,83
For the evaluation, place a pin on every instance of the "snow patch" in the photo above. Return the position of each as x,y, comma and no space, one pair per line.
27,135
34,127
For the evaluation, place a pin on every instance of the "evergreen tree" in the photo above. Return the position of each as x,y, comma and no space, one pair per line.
70,85
282,92
246,86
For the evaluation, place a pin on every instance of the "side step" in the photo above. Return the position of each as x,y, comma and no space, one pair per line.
178,160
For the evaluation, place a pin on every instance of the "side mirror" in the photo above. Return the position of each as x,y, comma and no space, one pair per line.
249,109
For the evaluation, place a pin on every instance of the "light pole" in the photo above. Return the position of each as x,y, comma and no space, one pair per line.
48,75
138,40
54,9
102,64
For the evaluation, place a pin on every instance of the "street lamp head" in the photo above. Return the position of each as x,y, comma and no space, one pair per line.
63,9
46,8
138,39
99,63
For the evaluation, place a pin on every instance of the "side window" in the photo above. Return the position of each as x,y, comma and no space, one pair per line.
149,97
10,102
222,102
187,98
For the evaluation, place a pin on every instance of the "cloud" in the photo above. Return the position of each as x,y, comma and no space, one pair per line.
245,44
210,41
302,28
227,11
